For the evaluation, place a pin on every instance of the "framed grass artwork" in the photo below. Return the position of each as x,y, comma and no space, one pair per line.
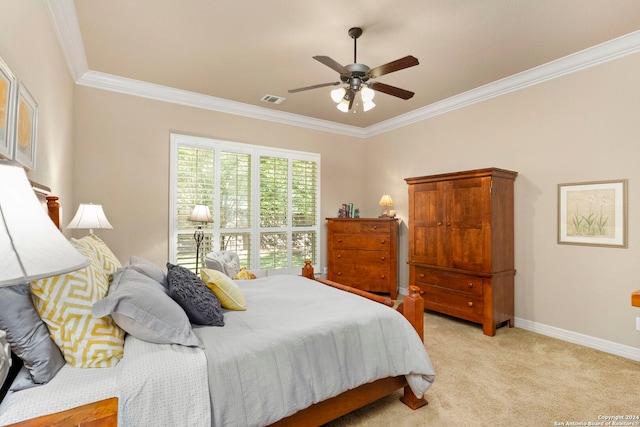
593,213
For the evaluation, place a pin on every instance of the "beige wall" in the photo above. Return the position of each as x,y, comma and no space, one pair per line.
122,162
581,127
29,47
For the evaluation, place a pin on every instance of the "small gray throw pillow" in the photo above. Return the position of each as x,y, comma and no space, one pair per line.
198,301
139,305
28,336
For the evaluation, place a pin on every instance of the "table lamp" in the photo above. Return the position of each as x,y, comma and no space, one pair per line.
89,216
31,246
202,215
385,202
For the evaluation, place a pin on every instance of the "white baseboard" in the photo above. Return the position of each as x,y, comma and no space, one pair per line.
611,347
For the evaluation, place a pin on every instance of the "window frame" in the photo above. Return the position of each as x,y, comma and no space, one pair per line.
256,151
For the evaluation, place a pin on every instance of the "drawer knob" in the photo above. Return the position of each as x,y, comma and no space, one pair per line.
383,241
470,284
381,258
439,223
375,227
470,303
339,240
382,276
448,224
339,256
346,226
422,275
339,273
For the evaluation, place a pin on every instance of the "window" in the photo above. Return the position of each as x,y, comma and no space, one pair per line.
264,202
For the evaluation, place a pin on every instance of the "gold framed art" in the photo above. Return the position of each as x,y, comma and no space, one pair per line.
7,102
26,126
593,213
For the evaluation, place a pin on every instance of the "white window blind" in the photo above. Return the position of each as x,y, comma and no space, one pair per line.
264,202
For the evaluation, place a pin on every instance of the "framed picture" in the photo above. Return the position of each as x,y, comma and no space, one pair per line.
26,125
7,103
593,213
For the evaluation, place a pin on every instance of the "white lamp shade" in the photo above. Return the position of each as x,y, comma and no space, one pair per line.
89,216
338,94
367,94
201,213
368,105
386,200
31,246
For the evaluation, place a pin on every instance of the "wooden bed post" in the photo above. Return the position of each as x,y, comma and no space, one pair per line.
54,209
412,308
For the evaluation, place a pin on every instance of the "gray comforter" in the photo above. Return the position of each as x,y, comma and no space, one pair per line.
301,342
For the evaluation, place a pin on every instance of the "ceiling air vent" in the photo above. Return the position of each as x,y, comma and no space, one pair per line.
272,99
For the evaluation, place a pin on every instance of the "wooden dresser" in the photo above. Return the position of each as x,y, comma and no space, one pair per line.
363,253
461,244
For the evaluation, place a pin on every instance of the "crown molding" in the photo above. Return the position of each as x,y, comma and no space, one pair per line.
139,88
65,23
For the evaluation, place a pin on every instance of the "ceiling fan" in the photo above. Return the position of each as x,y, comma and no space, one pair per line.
359,76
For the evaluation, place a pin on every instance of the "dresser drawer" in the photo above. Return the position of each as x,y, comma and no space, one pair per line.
360,241
448,280
348,274
353,256
363,226
455,303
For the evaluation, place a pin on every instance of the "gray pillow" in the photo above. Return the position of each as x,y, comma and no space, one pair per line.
28,336
198,301
140,306
149,269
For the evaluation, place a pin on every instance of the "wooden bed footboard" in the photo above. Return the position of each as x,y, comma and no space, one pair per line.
320,413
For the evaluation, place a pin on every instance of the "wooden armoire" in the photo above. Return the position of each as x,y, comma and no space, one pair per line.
461,244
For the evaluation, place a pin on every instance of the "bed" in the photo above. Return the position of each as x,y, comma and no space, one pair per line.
304,352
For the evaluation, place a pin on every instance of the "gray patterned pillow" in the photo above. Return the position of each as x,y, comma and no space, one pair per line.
198,301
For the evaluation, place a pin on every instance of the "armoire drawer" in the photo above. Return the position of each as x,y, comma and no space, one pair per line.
448,280
462,305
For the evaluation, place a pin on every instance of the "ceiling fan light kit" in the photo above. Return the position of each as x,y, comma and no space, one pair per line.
356,78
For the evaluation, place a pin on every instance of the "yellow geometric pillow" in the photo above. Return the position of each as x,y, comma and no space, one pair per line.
106,259
226,290
65,303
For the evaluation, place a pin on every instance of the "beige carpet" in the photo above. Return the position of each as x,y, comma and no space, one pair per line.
517,378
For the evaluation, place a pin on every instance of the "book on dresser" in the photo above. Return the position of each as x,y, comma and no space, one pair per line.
363,253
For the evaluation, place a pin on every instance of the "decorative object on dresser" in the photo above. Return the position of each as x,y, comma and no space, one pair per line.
385,202
461,244
89,216
363,253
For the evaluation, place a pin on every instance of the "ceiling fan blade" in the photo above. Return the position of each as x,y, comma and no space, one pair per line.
332,64
300,89
391,90
397,65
